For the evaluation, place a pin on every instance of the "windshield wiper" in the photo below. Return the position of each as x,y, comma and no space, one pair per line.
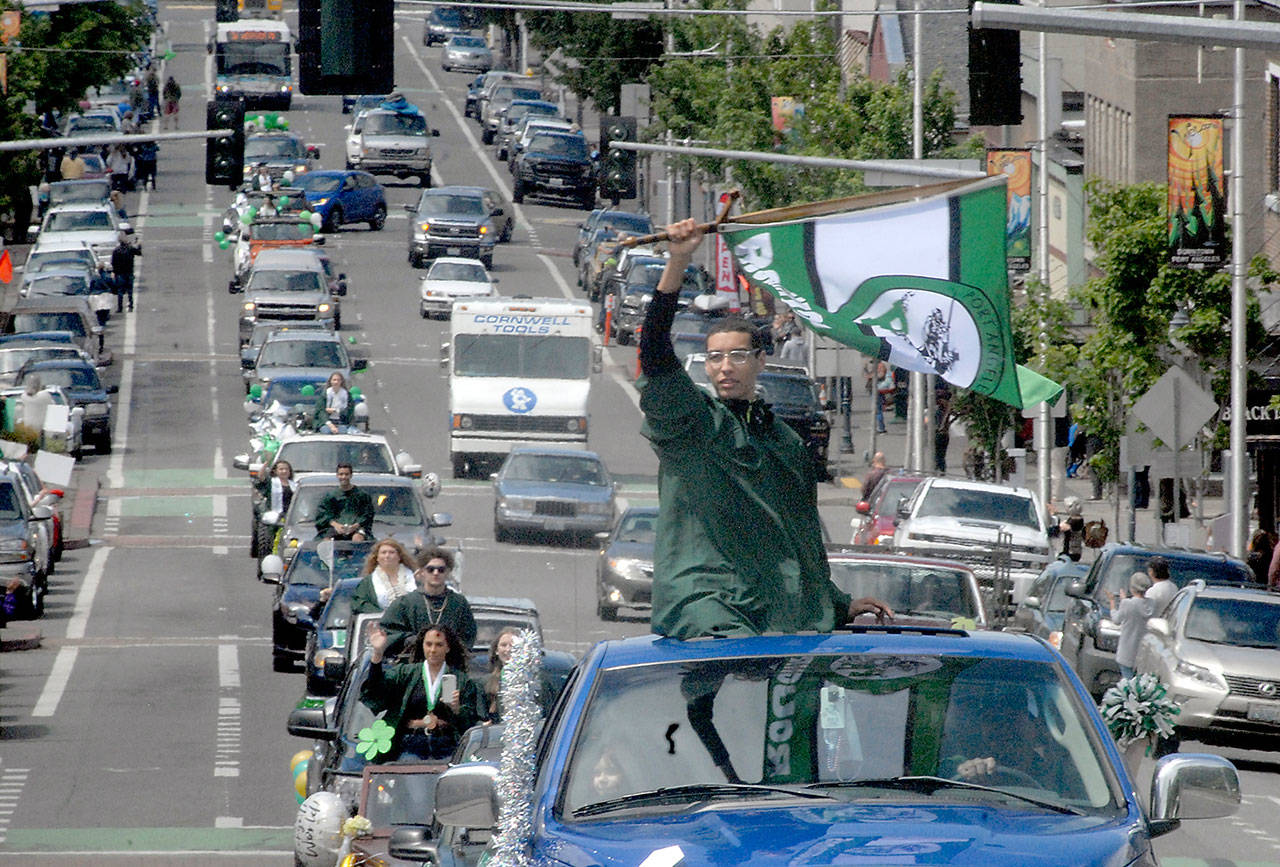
928,785
692,792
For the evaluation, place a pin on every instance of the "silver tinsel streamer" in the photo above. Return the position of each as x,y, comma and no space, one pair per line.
522,717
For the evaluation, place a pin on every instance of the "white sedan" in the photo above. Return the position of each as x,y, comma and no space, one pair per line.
451,279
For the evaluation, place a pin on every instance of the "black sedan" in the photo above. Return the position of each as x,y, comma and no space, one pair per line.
624,571
317,564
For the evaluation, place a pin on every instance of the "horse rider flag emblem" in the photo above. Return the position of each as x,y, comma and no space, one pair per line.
915,277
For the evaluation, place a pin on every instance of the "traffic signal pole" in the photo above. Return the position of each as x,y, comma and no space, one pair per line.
1237,33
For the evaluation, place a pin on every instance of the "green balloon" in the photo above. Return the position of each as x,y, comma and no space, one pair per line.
351,340
304,215
308,391
311,230
253,212
219,236
245,218
224,244
283,201
356,392
255,391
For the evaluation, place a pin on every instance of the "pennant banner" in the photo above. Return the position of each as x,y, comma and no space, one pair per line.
1197,212
921,284
1015,165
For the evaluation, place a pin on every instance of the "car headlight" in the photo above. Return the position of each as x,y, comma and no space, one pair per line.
97,409
300,167
321,655
484,230
1201,674
285,88
323,201
249,307
596,509
13,546
224,88
630,568
516,504
424,227
323,308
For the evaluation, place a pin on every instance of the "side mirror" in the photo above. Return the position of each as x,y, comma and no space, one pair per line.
1077,590
413,843
347,127
334,669
1159,626
1033,602
493,477
412,209
358,364
272,568
113,389
441,519
467,795
499,212
272,519
435,133
310,722
32,232
313,151
41,513
597,358
240,462
904,509
1190,786
863,508
319,239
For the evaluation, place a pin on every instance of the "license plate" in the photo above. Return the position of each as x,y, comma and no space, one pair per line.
552,526
453,251
556,182
1264,713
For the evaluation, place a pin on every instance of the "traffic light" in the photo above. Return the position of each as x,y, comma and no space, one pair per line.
346,46
995,76
618,180
224,157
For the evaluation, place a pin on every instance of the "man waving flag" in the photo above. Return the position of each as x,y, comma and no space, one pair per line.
915,277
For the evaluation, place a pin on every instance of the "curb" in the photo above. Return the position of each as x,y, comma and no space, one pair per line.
29,641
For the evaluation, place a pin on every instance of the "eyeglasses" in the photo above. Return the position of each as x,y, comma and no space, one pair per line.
737,357
436,569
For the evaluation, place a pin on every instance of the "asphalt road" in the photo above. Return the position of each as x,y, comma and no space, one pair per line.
150,728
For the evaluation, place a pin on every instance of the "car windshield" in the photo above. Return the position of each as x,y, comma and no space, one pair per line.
10,504
1238,622
448,16
894,491
395,123
78,191
467,42
516,112
337,611
980,505
303,353
909,588
509,93
313,455
400,799
786,390
54,259
392,504
572,146
286,281
288,392
12,359
844,726
490,623
80,378
22,323
451,205
639,528
458,271
645,274
548,357
78,221
555,469
347,561
59,284
1181,571
319,183
632,224
290,231
270,148
90,125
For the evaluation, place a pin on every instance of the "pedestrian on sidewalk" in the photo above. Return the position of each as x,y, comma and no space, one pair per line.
122,267
153,92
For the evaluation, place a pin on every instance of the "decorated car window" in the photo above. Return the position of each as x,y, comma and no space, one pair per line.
841,725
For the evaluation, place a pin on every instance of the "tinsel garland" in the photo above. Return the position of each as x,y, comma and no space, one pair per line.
522,718
1137,708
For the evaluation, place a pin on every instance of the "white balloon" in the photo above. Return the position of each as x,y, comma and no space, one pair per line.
317,220
317,830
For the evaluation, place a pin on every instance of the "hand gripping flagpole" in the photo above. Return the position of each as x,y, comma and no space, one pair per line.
704,228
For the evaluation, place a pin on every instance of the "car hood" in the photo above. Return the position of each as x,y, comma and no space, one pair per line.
632,550
555,158
554,490
972,529
882,833
1257,662
384,140
271,296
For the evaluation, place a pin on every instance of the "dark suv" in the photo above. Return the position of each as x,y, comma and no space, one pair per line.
793,397
1089,637
456,221
558,164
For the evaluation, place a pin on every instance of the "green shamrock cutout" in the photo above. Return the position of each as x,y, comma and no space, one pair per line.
375,739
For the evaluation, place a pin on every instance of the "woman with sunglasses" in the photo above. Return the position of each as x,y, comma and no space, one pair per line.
432,604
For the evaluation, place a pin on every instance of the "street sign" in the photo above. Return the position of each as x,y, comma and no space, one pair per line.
633,11
1175,408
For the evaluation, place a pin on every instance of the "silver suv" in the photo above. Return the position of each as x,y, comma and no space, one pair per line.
385,142
287,289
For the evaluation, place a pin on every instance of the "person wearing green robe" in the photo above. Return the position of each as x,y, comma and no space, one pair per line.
346,512
739,543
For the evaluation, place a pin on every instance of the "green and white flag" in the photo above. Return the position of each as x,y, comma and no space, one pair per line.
920,283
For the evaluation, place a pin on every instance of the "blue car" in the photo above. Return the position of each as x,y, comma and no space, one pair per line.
328,636
297,597
872,745
79,381
556,491
345,196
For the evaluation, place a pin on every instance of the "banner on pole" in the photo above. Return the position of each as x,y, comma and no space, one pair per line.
1197,209
726,278
1015,165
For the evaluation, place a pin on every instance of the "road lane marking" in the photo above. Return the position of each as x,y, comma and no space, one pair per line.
63,664
227,751
88,590
12,781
